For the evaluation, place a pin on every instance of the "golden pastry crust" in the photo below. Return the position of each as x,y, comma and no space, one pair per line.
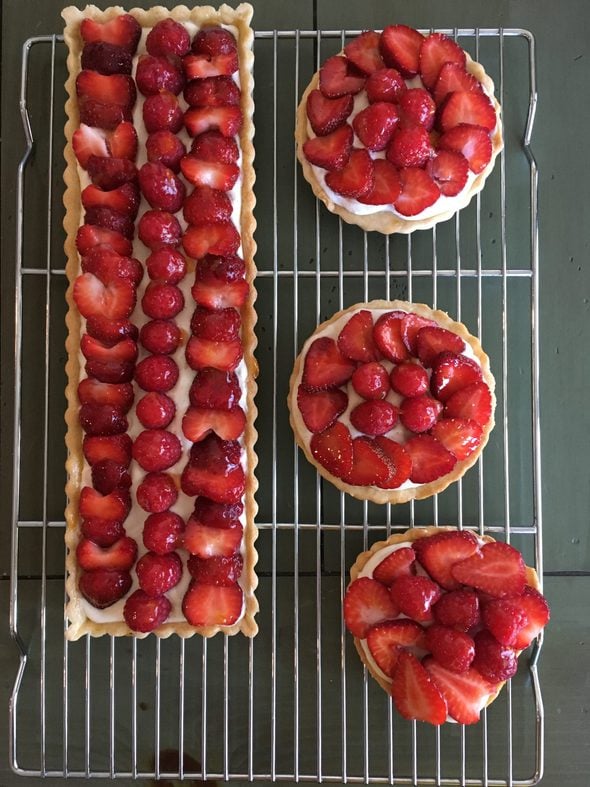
386,221
239,18
413,534
377,495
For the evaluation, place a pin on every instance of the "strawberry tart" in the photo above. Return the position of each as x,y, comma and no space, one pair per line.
399,130
392,401
439,617
161,371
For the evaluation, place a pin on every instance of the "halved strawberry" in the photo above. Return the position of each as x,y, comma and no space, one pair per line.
103,116
115,447
473,142
366,603
214,293
204,66
115,372
396,564
214,174
94,350
451,372
114,506
111,220
375,417
196,480
110,173
458,436
123,30
355,340
410,147
399,459
465,694
438,553
474,402
363,52
386,185
106,58
400,47
414,595
220,325
103,587
437,49
417,108
102,419
217,455
430,459
387,84
115,300
205,542
94,392
467,107
453,78
386,641
110,331
122,141
370,466
332,150
106,477
109,266
414,693
120,556
103,532
89,236
375,124
497,568
325,366
338,78
217,239
116,89
326,114
124,199
203,353
88,141
418,191
198,422
216,570
388,337
217,514
212,605
537,611
332,448
449,171
214,388
411,324
320,409
227,120
432,340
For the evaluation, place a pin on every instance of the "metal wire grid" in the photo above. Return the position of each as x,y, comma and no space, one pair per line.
300,707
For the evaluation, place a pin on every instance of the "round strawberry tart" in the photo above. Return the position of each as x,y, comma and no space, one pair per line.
439,617
392,401
399,130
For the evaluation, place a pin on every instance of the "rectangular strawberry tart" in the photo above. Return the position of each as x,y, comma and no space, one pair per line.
161,372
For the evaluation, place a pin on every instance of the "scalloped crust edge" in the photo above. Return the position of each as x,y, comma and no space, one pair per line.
79,624
373,493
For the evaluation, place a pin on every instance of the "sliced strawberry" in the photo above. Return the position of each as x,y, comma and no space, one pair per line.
220,488
110,173
451,648
326,114
94,392
106,477
123,30
386,185
409,379
458,436
108,266
498,569
212,605
386,641
219,456
93,350
415,595
116,447
438,553
110,331
363,52
375,417
388,337
116,89
198,422
454,78
399,460
375,125
227,120
410,146
419,413
536,608
473,142
476,109
472,403
417,108
437,49
418,192
355,340
432,340
88,141
465,694
206,542
400,48
430,459
110,220
495,662
216,286
505,619
114,506
204,66
370,466
331,151
332,448
214,174
396,564
338,78
458,609
206,205
89,236
217,239
449,171
212,92
103,116
124,199
217,514
411,324
216,570
370,380
120,556
115,300
220,325
103,587
145,613
414,693
325,366
213,146
451,372
319,410
214,388
204,353
106,58
387,84
123,141
366,603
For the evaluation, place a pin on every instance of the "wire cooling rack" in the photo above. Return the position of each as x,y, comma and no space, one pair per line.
294,704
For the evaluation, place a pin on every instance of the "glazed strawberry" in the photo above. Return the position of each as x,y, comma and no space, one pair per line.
162,112
108,476
414,693
116,89
158,228
213,146
398,563
457,609
205,67
214,174
110,173
220,456
410,146
356,176
158,73
363,52
419,413
198,422
207,542
366,603
331,151
355,340
437,49
211,605
386,185
415,595
387,335
409,379
473,108
120,556
156,449
111,220
156,493
339,78
370,466
227,120
497,569
155,410
106,58
109,267
504,619
374,417
158,573
221,325
110,331
114,506
474,402
168,37
465,694
217,514
161,187
103,588
115,372
448,169
386,641
430,459
325,366
386,84
204,353
537,611
122,141
432,340
164,147
103,116
438,554
160,336
400,48
473,142
156,373
495,662
102,419
399,460
332,448
207,206
458,436
212,92
89,236
215,389
219,282
143,613
375,124
417,108
124,199
166,264
162,301
218,239
370,380
418,191
454,78
115,447
103,532
94,392
88,141
214,40
451,648
162,532
326,114
214,471
216,570
320,409
123,30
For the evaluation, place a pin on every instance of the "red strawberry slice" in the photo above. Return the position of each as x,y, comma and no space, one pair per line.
325,366
458,609
332,150
219,456
220,325
400,48
210,291
375,417
451,372
108,266
216,570
213,146
415,595
110,173
375,125
103,588
204,353
204,66
387,84
115,300
409,379
498,569
124,199
123,30
212,605
120,556
114,506
473,142
116,89
438,553
332,448
432,340
417,108
355,340
89,236
453,649
449,171
198,422
338,78
437,49
370,466
227,120
454,78
206,542
458,436
214,388
326,114
123,141
399,460
418,192
102,419
363,52
410,146
386,640
94,392
465,694
505,619
366,603
386,185
115,447
212,92
411,324
430,459
320,410
472,403
88,141
397,564
219,488
388,336
467,107
93,350
414,692
537,611
214,174
217,239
